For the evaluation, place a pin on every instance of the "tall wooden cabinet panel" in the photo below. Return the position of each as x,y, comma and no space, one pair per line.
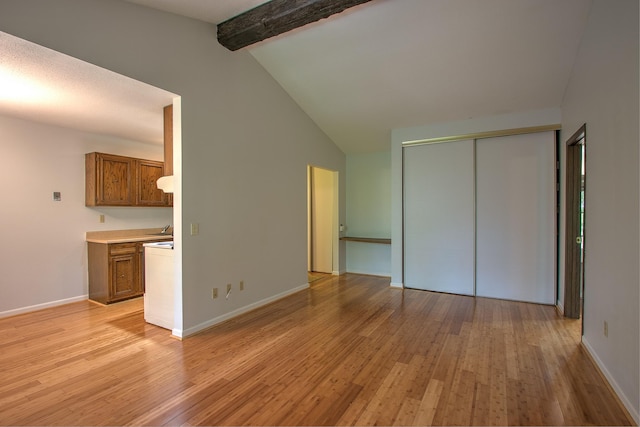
168,139
168,146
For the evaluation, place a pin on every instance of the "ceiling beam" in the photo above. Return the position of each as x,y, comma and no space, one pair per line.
276,17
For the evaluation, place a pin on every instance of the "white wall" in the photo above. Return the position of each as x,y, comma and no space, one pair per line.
603,93
43,256
369,212
245,143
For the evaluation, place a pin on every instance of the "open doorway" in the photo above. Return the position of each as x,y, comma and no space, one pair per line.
322,219
575,224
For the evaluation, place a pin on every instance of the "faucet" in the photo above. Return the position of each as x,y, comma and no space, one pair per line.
164,229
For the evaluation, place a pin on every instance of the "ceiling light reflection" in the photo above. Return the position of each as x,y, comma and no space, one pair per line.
19,88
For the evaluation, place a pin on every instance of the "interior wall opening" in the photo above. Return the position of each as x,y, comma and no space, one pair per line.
322,217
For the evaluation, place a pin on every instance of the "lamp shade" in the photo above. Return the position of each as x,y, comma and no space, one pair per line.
165,183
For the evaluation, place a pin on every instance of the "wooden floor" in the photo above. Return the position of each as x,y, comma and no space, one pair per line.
349,351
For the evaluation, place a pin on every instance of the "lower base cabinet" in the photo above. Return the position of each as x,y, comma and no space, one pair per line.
116,271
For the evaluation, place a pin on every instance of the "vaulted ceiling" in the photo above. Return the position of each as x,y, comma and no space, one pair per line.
387,64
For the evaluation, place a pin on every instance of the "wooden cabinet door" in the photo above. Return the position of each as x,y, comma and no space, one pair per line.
123,277
124,268
148,194
115,180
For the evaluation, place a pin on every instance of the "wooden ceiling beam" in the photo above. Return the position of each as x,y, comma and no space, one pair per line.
276,17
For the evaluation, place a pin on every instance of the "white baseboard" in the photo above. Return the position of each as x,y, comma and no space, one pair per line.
633,411
195,329
560,308
397,285
44,305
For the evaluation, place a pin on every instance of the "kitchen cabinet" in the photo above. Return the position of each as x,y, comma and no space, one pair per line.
147,193
116,270
108,180
112,180
124,270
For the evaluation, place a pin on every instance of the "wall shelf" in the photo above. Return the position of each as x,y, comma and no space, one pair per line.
367,240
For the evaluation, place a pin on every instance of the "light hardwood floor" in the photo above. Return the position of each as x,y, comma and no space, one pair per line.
349,351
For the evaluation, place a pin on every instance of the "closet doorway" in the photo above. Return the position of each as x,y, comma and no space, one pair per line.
480,216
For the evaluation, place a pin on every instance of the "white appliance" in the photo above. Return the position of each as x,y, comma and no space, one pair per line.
159,292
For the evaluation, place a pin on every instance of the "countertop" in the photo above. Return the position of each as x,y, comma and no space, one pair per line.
124,236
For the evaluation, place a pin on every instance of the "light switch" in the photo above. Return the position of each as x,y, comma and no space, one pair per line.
195,229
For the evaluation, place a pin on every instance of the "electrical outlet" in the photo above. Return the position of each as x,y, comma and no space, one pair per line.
242,285
606,328
101,219
214,293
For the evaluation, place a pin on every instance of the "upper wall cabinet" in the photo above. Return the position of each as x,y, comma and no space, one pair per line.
113,180
147,193
109,180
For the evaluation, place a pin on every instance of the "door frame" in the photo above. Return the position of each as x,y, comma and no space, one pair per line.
573,267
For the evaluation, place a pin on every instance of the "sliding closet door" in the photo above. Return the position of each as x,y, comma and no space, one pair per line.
439,217
515,226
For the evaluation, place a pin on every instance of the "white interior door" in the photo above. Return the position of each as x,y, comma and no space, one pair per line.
515,184
439,217
322,220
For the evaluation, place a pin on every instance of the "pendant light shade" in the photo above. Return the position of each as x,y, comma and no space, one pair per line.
165,183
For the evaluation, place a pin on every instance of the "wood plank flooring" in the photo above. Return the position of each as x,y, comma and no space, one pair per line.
349,351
